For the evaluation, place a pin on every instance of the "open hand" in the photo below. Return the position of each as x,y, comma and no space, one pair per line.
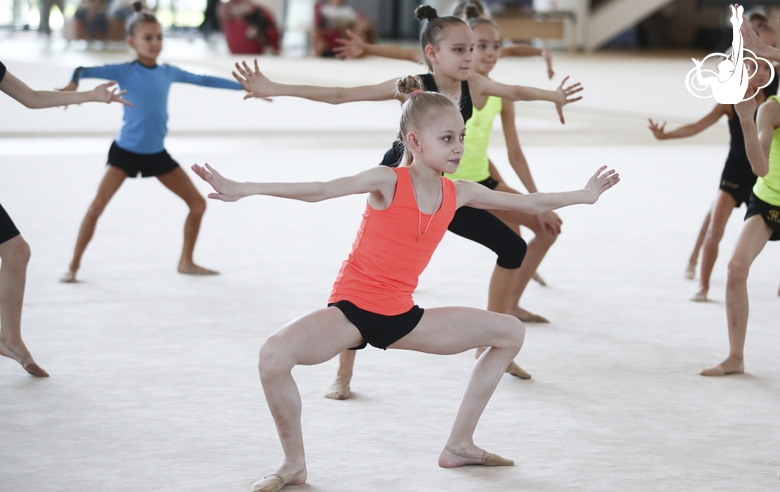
226,190
253,81
601,182
657,129
107,93
565,98
550,222
350,47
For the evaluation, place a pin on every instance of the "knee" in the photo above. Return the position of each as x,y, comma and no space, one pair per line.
96,208
514,331
198,206
545,237
738,271
272,361
511,256
21,253
714,234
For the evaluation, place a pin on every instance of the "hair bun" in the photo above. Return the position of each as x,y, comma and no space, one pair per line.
426,12
472,12
408,84
138,6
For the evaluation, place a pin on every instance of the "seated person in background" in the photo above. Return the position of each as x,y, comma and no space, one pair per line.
93,14
248,27
332,20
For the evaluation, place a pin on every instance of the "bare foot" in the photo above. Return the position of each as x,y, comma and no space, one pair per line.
338,391
538,279
27,362
525,316
517,371
193,269
728,366
700,296
690,272
69,277
452,458
277,480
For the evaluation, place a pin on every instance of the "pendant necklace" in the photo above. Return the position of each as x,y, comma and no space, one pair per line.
419,213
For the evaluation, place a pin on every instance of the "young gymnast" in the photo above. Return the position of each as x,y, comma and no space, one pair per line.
736,182
762,223
354,47
139,148
407,212
447,42
14,250
476,166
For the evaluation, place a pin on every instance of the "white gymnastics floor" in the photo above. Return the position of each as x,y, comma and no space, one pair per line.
153,380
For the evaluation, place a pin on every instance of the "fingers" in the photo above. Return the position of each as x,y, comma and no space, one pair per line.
257,67
564,81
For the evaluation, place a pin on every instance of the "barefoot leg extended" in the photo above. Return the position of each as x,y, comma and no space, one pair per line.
454,330
111,182
15,255
311,339
752,240
178,182
690,270
719,216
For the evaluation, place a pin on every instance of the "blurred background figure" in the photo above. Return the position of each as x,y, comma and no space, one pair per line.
332,20
249,27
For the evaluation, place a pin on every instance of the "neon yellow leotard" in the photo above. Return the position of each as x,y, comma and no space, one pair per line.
474,164
767,188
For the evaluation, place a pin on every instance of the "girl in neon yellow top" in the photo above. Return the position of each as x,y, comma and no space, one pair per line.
762,222
476,166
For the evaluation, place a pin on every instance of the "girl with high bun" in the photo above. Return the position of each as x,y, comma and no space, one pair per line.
139,148
407,212
354,47
14,250
447,43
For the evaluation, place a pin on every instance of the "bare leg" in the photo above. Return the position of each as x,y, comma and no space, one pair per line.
111,182
311,339
752,240
339,390
15,255
178,182
537,249
721,211
690,270
454,330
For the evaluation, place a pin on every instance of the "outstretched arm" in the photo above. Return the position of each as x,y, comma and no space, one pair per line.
477,196
689,130
523,50
759,134
353,47
379,181
33,99
560,97
755,44
258,85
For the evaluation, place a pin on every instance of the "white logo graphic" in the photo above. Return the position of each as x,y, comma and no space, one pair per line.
730,83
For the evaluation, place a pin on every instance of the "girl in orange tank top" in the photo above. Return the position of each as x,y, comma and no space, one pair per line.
407,212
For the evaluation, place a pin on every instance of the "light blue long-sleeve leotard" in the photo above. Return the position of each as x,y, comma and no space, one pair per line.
145,125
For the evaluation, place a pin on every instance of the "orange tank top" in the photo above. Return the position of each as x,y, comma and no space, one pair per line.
386,261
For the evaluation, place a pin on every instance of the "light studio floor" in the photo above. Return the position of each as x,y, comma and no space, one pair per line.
154,380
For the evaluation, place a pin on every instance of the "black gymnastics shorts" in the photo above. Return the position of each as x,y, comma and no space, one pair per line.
770,214
737,182
377,329
490,183
147,165
8,229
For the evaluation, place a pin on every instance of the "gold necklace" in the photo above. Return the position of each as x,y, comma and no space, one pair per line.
419,213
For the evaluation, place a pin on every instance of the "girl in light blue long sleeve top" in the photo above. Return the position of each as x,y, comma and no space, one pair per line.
139,148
